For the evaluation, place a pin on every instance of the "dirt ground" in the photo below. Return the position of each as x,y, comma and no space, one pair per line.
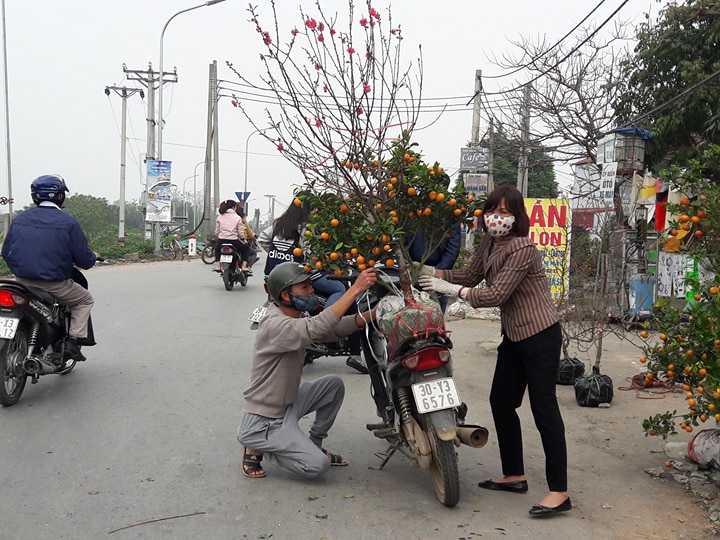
618,481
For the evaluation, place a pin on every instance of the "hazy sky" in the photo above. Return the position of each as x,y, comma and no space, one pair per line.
62,55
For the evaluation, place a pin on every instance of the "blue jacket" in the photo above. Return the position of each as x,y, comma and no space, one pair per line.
444,257
44,243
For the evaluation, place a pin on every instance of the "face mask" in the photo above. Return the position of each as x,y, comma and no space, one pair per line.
499,226
309,303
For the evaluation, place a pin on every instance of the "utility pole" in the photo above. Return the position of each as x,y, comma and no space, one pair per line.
271,207
477,101
124,93
208,214
491,155
151,79
522,178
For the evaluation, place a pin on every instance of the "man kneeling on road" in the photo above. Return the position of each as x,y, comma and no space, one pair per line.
276,400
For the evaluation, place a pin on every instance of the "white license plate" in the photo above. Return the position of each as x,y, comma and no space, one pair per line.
8,326
225,258
258,314
436,395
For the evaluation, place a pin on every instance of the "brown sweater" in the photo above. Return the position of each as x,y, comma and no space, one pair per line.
516,282
280,353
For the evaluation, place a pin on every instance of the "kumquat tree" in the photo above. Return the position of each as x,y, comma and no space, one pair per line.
343,112
687,353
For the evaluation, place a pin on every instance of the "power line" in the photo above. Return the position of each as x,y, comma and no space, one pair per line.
538,57
676,98
564,58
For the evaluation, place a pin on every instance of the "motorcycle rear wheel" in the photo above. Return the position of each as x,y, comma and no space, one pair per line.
444,468
228,278
13,375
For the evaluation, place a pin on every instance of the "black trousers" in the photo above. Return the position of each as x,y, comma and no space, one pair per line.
242,248
533,364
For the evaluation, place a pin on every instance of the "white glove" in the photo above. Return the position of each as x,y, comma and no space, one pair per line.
424,269
439,285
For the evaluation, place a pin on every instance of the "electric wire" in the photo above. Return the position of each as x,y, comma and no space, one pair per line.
564,58
546,51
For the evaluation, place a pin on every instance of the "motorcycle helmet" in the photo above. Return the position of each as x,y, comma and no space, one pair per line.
49,187
285,275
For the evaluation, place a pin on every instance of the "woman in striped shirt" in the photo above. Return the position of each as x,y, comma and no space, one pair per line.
529,353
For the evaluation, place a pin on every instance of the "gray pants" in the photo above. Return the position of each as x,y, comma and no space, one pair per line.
280,439
74,296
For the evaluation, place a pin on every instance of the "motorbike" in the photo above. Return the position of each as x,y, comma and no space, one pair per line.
33,333
412,385
231,264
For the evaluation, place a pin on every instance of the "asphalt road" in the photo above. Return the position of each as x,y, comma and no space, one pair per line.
139,442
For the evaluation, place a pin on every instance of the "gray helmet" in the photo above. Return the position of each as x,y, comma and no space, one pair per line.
285,275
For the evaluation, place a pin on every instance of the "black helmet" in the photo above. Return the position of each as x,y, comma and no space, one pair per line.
285,275
47,188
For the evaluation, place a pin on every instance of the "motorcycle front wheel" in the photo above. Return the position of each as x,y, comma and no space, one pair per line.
444,468
14,377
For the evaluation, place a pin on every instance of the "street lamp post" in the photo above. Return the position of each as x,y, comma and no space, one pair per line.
160,83
247,142
160,97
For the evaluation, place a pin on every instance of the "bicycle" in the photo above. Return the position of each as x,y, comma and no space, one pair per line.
169,244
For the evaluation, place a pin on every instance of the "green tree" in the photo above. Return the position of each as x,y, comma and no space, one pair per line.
673,55
541,174
94,213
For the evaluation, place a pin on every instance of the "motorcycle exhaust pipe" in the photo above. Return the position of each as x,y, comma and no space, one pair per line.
475,436
36,366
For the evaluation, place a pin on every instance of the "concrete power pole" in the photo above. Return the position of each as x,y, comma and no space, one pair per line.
522,178
151,80
208,227
491,155
124,93
477,102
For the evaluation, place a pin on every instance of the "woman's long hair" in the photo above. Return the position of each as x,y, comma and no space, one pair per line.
288,225
514,202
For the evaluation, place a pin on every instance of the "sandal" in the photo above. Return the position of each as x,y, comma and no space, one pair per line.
251,467
336,460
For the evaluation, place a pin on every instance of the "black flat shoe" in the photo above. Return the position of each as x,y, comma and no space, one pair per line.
539,510
513,487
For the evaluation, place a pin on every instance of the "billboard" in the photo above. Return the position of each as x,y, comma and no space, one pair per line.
476,183
550,224
474,159
159,192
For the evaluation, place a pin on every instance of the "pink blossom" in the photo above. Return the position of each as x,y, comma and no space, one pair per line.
325,89
318,123
332,32
351,50
374,14
280,147
363,22
321,26
234,103
318,67
359,111
321,38
266,38
366,88
311,24
294,31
